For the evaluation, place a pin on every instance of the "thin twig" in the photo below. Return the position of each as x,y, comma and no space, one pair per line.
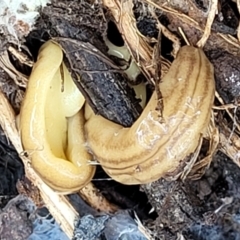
227,110
210,19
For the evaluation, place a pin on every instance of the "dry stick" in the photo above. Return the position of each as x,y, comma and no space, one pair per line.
172,37
186,18
227,110
184,36
168,34
146,232
238,30
195,24
230,147
23,58
172,11
230,39
210,19
57,204
5,63
226,106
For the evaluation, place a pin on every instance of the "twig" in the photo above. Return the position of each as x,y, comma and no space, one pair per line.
227,110
238,29
184,36
172,37
210,19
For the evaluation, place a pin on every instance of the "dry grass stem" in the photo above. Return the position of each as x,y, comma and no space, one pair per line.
172,37
211,15
23,58
238,30
19,78
227,110
184,36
